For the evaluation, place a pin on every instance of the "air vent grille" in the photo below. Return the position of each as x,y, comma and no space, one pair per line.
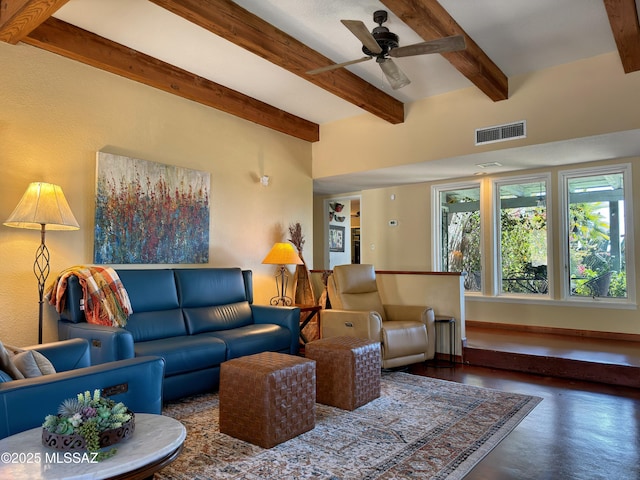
501,133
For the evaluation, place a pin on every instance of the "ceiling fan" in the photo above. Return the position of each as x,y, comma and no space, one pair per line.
382,44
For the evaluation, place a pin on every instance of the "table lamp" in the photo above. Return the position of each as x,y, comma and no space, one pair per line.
282,254
43,206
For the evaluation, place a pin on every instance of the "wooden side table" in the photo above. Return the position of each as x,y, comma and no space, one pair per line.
312,311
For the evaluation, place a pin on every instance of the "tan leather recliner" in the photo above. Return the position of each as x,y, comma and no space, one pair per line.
406,333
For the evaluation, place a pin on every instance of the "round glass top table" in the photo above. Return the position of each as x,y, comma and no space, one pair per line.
156,442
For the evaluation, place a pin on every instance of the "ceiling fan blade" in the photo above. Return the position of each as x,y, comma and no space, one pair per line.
440,45
337,65
359,29
397,78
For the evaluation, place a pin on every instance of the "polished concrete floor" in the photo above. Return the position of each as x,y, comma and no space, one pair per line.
581,430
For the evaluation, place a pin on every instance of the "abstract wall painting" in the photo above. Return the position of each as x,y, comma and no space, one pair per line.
148,212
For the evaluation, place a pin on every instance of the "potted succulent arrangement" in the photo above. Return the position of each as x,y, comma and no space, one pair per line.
88,422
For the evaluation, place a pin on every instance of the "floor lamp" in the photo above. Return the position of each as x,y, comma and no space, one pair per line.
42,207
282,254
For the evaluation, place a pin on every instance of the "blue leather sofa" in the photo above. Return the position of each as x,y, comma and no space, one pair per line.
195,318
25,403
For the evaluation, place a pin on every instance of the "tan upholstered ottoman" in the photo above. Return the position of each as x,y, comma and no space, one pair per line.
347,370
267,398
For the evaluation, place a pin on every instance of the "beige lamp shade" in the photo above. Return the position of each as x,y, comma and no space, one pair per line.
43,204
282,254
42,207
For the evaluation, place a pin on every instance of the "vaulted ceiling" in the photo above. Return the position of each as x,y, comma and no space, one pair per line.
249,58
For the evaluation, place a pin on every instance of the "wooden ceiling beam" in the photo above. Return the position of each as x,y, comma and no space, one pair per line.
431,21
72,42
625,25
20,17
237,25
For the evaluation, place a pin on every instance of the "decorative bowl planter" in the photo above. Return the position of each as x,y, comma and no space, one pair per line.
76,442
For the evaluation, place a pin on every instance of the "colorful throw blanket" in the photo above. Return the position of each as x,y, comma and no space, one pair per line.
106,301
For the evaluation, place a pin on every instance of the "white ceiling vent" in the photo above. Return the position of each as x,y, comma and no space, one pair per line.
501,133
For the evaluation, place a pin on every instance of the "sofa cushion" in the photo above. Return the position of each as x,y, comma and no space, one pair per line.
33,364
6,363
17,363
203,287
150,290
186,353
145,326
221,317
254,339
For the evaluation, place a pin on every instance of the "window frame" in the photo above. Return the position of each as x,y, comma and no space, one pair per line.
496,229
627,179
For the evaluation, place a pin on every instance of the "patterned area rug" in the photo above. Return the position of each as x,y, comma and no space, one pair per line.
419,428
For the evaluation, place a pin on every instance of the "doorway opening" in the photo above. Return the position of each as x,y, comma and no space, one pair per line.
343,230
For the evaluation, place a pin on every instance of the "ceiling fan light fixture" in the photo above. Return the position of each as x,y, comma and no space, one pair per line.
396,77
385,39
382,44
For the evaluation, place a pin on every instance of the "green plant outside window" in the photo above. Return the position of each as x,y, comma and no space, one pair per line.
597,262
523,238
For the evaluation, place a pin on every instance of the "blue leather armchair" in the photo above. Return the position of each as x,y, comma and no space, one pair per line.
136,382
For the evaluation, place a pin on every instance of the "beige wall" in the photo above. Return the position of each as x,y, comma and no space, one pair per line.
55,114
581,99
408,246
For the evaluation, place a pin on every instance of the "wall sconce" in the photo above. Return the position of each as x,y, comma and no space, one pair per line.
264,180
282,254
43,206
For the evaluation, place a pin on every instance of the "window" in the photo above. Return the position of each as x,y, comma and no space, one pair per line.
458,223
522,230
599,243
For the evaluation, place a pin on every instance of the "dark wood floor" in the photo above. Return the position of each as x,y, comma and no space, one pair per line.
581,430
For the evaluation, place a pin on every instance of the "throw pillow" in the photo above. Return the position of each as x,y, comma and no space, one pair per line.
33,364
6,365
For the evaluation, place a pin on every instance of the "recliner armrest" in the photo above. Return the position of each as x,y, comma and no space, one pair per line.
351,323
106,344
424,314
25,403
66,354
287,317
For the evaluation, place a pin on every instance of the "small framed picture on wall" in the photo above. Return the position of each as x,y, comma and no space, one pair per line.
336,238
